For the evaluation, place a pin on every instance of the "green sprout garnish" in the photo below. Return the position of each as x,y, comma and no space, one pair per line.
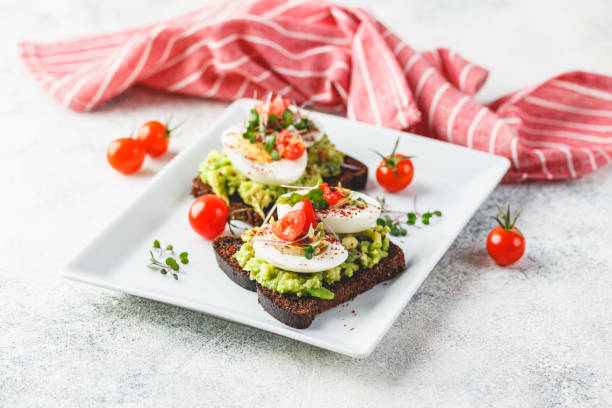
169,264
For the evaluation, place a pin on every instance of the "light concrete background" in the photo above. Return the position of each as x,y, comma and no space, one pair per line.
538,333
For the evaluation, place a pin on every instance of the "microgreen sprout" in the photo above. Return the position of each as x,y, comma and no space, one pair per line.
308,251
395,219
169,263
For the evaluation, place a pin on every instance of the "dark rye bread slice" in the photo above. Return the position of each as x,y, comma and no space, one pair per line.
299,312
355,179
225,248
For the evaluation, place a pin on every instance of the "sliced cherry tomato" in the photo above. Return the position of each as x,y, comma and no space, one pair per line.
505,243
154,138
306,207
125,155
331,194
289,145
290,226
395,172
296,222
277,106
208,215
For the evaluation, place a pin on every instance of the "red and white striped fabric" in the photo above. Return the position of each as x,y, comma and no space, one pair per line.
334,57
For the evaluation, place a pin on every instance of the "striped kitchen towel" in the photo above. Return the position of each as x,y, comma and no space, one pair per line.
334,57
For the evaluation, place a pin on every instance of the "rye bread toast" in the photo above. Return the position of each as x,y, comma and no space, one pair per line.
296,311
354,179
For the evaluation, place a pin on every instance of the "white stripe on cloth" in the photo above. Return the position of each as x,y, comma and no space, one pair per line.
474,124
569,135
411,61
143,58
424,76
493,138
243,87
341,91
514,151
563,148
559,122
400,99
365,74
316,17
451,118
261,77
596,93
218,44
464,73
277,11
196,75
434,103
603,152
591,158
542,158
567,108
310,74
75,88
110,74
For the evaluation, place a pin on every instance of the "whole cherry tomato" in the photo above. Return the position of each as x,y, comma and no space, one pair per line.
125,155
296,222
289,146
154,138
208,215
505,243
395,172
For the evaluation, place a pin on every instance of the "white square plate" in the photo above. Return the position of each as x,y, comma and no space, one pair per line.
450,178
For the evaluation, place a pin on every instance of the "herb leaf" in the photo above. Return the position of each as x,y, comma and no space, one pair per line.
169,263
308,252
322,293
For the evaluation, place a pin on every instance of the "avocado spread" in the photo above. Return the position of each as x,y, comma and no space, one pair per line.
366,249
217,171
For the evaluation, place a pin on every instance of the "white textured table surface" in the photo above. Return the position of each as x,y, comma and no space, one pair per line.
538,333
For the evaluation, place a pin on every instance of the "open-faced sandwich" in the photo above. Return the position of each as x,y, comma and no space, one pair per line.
326,248
277,145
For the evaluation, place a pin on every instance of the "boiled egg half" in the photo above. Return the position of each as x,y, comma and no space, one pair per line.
251,160
345,218
274,251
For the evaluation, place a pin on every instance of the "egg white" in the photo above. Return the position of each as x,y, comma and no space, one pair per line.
275,173
334,255
348,220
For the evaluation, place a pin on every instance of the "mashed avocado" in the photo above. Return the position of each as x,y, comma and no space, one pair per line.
366,249
323,158
217,171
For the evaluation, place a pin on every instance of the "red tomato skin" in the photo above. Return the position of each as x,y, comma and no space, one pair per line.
276,107
208,215
154,138
289,145
298,219
125,155
392,182
331,194
305,206
290,226
505,247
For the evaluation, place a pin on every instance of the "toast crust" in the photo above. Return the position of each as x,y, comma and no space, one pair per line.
354,179
225,248
299,312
